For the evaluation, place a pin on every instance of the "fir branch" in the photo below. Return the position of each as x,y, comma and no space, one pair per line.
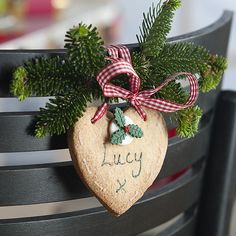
43,77
67,79
211,74
85,50
173,92
142,67
18,86
173,58
148,21
178,57
60,114
57,76
188,121
156,25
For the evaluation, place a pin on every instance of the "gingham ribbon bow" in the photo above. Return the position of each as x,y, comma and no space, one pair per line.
121,64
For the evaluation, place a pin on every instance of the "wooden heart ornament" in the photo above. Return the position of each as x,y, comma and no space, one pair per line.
118,174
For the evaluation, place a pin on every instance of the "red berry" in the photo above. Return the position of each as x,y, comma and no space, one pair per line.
126,129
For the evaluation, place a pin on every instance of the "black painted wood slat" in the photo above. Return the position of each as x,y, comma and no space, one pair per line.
183,153
170,200
185,229
184,226
59,181
16,134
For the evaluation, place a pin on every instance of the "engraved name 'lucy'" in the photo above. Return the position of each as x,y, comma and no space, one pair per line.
127,159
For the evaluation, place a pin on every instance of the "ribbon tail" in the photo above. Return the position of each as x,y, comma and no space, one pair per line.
139,109
168,106
163,106
100,112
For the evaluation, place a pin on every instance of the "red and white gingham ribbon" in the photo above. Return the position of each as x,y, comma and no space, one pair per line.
121,64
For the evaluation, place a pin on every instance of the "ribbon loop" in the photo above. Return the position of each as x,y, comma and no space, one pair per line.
121,64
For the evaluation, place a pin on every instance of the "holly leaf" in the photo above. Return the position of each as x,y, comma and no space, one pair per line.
119,117
135,131
118,136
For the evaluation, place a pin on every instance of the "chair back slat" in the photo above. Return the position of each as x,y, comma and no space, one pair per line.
219,188
170,200
214,37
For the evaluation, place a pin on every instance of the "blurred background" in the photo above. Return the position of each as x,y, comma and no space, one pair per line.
41,24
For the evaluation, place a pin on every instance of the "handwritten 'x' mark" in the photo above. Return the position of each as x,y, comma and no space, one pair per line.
121,186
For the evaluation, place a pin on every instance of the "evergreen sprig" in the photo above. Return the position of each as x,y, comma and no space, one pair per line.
19,86
71,78
179,57
188,120
212,73
44,77
85,50
155,27
60,113
63,78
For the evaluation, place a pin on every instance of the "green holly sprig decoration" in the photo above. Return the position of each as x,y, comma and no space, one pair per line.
133,130
71,79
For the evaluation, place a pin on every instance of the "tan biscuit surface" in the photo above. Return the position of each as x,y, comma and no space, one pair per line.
118,175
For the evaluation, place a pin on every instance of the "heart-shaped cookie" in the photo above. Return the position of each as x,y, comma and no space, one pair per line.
118,175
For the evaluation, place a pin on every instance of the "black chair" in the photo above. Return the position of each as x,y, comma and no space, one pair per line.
170,205
220,177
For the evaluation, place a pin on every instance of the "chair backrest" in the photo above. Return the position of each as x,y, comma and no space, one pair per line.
170,204
219,183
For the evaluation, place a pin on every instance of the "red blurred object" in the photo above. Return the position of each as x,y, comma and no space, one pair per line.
171,133
167,180
9,36
36,15
36,7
